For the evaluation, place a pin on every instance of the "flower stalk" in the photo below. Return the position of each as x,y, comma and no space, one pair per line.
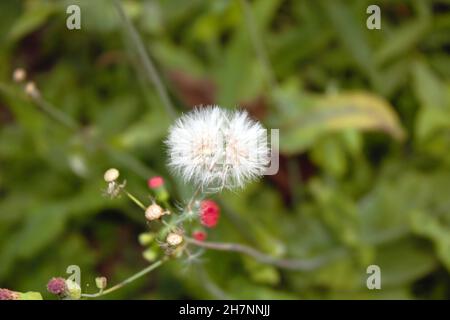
135,276
290,264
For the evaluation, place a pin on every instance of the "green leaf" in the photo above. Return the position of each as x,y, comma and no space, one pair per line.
350,31
144,132
402,40
430,227
261,273
434,113
362,111
403,262
34,17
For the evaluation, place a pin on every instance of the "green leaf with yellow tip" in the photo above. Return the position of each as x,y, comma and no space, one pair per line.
337,112
30,295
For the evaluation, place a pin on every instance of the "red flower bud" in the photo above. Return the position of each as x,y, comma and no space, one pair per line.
199,235
209,213
6,294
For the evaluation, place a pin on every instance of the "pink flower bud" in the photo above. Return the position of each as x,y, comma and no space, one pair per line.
57,286
155,182
6,294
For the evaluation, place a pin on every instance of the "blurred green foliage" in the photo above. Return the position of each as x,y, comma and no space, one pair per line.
364,118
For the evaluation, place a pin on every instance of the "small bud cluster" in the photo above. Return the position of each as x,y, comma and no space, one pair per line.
169,233
20,76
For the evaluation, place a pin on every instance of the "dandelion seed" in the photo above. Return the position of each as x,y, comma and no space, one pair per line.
215,148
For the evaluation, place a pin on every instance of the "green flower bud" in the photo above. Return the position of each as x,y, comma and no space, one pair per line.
101,282
150,255
146,238
73,290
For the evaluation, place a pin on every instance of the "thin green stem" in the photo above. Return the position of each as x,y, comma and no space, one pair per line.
209,284
53,112
192,200
135,200
149,67
126,281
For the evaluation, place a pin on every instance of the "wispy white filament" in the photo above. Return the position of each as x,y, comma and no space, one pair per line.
216,148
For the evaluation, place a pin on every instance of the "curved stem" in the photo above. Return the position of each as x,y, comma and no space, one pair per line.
192,200
291,264
257,42
126,281
55,113
147,63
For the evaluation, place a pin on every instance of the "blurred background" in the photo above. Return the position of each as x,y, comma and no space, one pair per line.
364,119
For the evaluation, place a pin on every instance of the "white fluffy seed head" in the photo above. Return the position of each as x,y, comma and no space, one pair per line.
216,148
111,175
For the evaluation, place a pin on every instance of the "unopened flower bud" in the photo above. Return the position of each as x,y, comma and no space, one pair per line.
209,213
31,89
101,282
154,212
73,290
111,175
155,182
19,75
57,286
199,235
146,238
150,255
6,294
174,239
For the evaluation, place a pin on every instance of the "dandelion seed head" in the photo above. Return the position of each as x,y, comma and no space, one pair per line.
216,148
